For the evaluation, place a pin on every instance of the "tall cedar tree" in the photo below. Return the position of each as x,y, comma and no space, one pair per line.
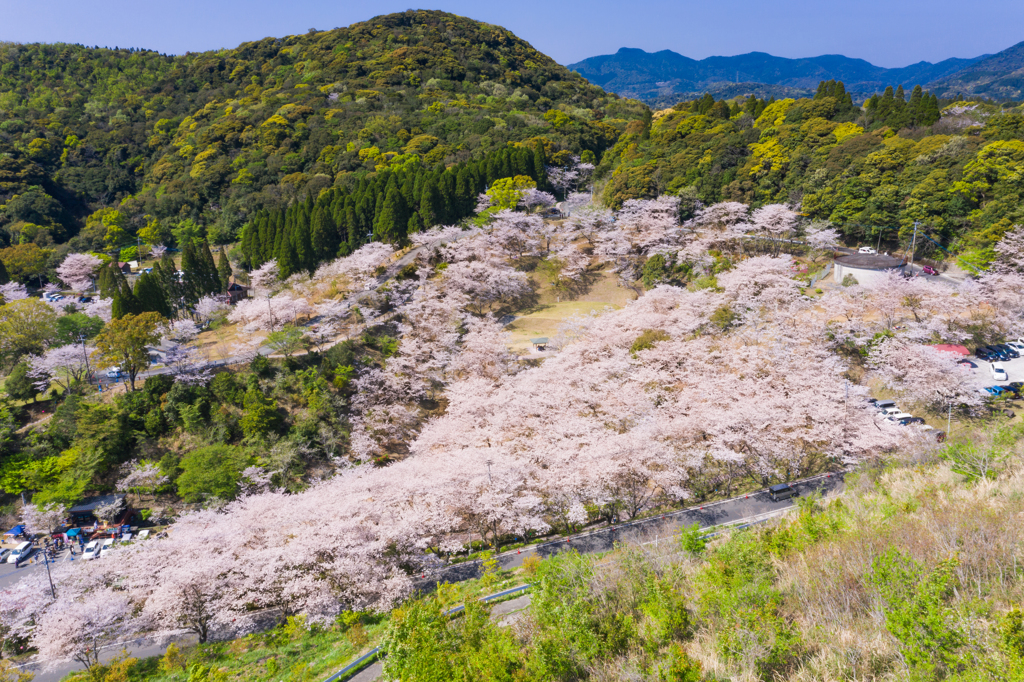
125,302
150,295
224,269
393,219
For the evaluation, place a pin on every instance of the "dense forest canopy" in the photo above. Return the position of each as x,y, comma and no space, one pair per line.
872,169
106,147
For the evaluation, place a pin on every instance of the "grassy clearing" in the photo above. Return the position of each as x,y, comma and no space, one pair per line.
553,308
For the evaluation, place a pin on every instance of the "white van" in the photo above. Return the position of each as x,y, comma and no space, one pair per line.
20,553
92,550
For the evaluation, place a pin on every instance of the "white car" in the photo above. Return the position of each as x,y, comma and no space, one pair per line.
92,550
1016,345
113,372
998,372
898,416
866,249
107,545
20,553
890,411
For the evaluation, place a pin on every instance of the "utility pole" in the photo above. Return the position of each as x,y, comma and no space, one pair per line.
913,243
46,558
949,419
81,339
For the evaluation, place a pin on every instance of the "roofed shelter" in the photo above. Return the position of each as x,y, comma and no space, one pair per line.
83,513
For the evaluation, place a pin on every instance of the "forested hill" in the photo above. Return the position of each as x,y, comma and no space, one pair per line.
104,146
872,171
661,76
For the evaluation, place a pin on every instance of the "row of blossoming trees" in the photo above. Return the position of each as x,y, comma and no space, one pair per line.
677,395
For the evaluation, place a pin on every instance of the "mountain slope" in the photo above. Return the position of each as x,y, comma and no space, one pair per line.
213,137
999,76
636,73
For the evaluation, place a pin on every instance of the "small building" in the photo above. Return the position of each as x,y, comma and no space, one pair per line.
236,293
540,343
82,514
867,268
125,268
953,348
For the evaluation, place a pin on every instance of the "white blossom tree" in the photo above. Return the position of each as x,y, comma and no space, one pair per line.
77,271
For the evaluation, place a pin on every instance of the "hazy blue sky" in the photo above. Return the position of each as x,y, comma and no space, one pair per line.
886,32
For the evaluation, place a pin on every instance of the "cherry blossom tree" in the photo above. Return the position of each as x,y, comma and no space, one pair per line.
66,366
266,277
180,331
923,374
81,628
485,285
43,519
13,291
211,307
1010,250
140,477
188,365
158,251
99,307
775,222
534,200
821,240
77,271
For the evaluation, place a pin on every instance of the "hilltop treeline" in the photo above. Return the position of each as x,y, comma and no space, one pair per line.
383,207
873,170
101,146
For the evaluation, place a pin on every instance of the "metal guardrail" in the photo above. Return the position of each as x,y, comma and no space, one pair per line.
372,655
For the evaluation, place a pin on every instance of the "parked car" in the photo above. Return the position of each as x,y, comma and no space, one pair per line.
899,417
929,270
987,391
866,249
885,404
1019,347
967,363
21,552
782,491
92,550
1016,385
998,372
998,390
911,420
1008,349
107,545
982,353
113,372
4,553
996,353
85,299
890,411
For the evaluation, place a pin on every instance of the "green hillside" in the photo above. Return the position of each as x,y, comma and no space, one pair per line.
213,137
873,170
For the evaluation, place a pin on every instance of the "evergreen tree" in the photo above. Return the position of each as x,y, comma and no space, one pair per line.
393,220
431,205
540,172
211,276
150,296
324,235
124,302
4,276
302,240
224,270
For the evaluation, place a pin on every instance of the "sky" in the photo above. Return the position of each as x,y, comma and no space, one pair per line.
889,33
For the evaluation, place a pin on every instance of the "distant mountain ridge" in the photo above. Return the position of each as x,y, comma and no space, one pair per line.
653,76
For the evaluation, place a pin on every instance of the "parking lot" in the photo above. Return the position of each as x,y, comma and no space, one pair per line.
982,374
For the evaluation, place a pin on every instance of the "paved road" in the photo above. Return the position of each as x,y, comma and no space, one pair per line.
603,540
740,509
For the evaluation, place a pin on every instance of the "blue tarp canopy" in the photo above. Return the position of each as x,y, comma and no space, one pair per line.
17,530
73,532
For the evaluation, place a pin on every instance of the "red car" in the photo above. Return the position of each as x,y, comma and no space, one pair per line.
929,270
